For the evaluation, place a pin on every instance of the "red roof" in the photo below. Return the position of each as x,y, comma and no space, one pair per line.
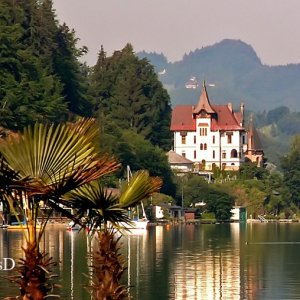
226,119
222,116
183,120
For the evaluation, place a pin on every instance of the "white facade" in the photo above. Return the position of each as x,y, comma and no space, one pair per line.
210,136
206,147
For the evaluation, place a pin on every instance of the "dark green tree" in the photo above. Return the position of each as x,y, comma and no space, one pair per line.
276,114
220,204
40,74
250,170
71,72
278,199
127,89
143,155
28,91
291,170
196,189
56,45
134,150
190,190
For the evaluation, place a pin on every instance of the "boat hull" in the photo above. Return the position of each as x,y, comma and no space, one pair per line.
20,227
73,227
135,224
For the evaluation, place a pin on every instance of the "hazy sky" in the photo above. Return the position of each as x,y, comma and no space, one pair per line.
176,27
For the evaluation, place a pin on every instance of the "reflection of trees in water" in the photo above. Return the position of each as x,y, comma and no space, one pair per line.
185,261
62,246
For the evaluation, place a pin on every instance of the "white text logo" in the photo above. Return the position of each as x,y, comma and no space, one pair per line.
7,264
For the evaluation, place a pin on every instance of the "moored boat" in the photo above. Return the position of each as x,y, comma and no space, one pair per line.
72,226
20,226
135,224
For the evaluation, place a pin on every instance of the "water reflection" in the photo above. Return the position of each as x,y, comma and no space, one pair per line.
68,249
271,261
212,273
187,262
225,261
222,261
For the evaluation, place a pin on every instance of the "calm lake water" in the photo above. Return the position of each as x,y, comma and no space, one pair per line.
222,261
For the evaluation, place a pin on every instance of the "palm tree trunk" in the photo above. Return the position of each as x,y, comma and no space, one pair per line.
33,275
34,269
108,267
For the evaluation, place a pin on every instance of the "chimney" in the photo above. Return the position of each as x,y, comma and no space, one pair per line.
230,106
242,107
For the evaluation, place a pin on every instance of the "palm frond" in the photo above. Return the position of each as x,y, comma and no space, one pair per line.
140,187
56,157
86,127
101,203
8,177
44,149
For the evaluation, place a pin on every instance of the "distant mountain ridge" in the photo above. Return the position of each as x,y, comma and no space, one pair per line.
237,73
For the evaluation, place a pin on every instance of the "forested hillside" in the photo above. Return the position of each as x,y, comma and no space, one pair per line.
127,92
43,80
40,75
237,73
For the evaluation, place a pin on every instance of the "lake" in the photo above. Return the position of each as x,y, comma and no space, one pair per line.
211,261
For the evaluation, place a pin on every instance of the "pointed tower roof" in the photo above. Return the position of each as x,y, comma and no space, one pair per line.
253,135
203,103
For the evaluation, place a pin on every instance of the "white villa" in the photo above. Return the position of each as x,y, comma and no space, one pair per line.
210,135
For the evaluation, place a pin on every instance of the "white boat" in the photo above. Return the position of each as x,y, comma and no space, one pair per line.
136,221
135,224
140,224
72,226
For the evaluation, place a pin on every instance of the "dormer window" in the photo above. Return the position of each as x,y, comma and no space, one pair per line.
203,114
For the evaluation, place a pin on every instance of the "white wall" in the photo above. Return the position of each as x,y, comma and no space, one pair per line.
221,144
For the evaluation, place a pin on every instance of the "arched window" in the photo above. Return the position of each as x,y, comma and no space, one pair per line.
205,146
201,146
234,153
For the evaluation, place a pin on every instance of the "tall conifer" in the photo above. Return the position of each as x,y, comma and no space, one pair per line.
127,90
29,92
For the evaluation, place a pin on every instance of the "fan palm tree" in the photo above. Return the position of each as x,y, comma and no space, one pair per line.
106,212
38,167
